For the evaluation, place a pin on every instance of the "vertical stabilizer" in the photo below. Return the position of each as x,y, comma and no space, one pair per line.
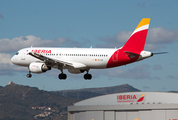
136,42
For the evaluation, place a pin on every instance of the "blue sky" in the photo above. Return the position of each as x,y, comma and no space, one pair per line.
101,23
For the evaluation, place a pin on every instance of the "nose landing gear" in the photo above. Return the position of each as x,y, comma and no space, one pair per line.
29,75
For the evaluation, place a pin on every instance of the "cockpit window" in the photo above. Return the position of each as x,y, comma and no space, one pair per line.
17,53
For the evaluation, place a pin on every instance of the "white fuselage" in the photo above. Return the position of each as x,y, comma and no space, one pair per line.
93,58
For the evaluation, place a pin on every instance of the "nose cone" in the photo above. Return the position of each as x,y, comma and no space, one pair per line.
13,60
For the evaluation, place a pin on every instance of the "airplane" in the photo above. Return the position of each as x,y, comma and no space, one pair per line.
79,60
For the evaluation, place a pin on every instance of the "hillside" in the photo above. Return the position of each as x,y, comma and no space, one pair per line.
78,94
114,89
93,92
16,102
19,102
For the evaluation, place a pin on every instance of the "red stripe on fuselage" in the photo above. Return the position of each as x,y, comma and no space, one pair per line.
122,59
135,44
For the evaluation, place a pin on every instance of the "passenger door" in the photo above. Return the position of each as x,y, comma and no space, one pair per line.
23,55
115,56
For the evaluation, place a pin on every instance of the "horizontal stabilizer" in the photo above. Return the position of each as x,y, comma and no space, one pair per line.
131,54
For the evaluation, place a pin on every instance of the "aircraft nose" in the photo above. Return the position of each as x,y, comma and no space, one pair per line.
13,59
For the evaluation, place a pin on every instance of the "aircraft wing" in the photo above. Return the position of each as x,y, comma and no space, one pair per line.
52,62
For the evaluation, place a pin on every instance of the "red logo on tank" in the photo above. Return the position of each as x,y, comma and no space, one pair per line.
141,98
130,98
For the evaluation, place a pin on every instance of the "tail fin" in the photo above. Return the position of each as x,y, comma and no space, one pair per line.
136,42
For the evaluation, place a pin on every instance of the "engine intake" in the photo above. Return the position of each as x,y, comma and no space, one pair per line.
36,67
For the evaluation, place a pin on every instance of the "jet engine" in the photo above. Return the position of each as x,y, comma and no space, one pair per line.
76,71
37,67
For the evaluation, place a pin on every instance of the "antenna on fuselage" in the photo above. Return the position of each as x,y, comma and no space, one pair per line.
91,47
31,46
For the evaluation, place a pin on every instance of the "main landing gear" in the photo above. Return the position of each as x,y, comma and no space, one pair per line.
87,76
62,76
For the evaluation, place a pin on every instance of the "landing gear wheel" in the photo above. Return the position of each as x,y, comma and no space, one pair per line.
62,76
87,76
29,75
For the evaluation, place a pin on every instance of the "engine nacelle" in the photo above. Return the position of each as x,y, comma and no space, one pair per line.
76,71
37,67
